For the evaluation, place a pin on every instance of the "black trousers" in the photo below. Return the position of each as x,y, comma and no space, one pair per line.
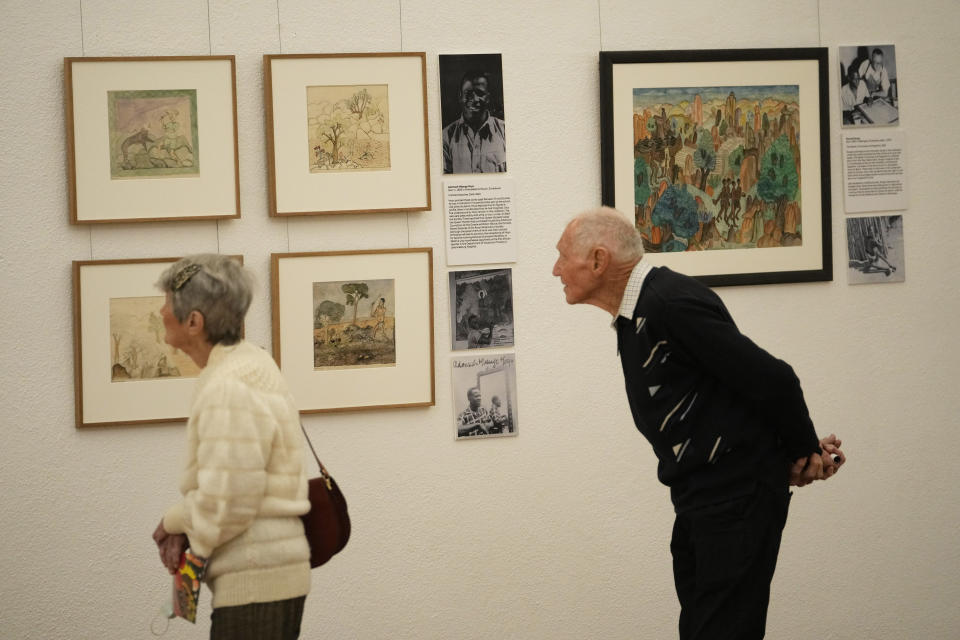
724,556
279,620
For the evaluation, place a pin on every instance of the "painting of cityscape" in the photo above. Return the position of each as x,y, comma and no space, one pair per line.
717,167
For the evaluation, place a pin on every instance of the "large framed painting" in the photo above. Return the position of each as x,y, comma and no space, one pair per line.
354,329
152,139
722,159
346,133
125,372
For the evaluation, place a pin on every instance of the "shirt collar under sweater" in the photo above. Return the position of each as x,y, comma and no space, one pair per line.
631,294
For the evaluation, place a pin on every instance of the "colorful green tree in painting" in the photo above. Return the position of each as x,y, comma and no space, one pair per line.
778,178
676,213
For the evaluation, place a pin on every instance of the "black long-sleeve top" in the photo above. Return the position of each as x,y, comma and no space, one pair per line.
721,413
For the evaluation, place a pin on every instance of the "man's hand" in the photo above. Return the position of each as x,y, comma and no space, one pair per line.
818,466
807,469
831,447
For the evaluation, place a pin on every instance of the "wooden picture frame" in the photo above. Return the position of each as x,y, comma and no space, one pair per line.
346,133
354,330
152,138
124,373
680,151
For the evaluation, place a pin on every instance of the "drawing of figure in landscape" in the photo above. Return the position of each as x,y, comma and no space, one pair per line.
717,167
153,133
137,347
348,128
354,324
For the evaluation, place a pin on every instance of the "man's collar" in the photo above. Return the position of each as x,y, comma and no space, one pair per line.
487,124
631,293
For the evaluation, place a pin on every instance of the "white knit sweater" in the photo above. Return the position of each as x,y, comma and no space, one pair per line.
244,485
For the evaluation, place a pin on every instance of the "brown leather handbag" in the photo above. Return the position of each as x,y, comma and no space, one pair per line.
327,524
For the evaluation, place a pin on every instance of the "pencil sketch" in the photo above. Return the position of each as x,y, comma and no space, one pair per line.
137,347
348,127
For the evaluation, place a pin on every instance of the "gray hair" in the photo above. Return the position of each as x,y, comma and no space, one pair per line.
606,227
217,286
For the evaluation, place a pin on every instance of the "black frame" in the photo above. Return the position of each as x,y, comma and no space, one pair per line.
610,58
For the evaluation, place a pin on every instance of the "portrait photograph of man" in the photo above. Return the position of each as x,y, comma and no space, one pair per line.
471,104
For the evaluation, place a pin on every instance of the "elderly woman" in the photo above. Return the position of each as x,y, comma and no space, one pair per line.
244,485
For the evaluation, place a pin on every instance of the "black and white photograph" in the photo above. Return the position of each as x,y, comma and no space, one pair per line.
484,396
868,85
481,308
472,113
875,249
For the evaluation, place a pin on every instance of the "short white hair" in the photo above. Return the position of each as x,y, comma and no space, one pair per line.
606,227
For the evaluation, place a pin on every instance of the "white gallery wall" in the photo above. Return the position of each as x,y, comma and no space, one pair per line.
561,532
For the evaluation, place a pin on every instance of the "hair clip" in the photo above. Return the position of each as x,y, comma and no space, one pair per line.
183,277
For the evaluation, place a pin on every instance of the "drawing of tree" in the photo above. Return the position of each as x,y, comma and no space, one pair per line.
332,129
116,346
155,325
355,291
676,211
778,177
358,103
704,158
329,310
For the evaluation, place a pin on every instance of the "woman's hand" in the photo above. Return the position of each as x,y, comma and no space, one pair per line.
171,547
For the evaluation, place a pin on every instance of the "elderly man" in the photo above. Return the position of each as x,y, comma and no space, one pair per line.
475,142
726,419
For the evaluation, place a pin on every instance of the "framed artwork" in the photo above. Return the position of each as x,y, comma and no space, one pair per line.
346,133
722,159
152,139
354,329
485,396
125,373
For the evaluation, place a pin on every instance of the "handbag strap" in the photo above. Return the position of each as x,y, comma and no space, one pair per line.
323,469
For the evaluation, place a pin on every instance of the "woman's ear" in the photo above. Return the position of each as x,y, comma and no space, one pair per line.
195,322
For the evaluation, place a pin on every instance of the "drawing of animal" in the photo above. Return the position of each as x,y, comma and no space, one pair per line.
142,138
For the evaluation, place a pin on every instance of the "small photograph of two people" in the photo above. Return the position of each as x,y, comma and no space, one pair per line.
484,396
471,106
868,85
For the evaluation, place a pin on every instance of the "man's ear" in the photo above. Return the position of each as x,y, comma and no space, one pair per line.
600,260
